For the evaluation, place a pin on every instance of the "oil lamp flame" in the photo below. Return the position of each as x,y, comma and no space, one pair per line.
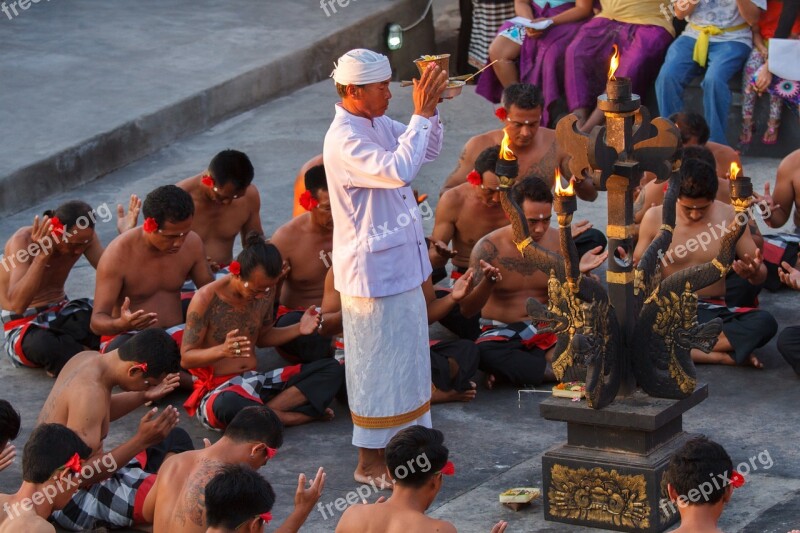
735,169
562,191
614,64
505,152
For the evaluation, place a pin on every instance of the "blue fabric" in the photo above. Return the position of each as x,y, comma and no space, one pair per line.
725,59
553,3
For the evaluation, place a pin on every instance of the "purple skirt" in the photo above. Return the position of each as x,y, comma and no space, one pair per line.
541,60
641,47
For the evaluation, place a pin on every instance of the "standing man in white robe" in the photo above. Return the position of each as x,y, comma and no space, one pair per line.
380,257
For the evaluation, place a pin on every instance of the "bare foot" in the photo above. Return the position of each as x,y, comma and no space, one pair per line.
490,381
291,418
754,362
380,479
328,416
723,358
440,396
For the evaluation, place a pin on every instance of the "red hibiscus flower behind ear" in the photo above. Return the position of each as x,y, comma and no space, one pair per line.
737,480
207,180
235,268
501,113
58,227
448,469
307,201
150,225
473,178
74,463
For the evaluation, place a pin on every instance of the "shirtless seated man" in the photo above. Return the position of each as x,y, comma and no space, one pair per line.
238,500
140,275
51,473
534,146
510,347
83,400
698,222
226,204
453,362
417,461
44,328
786,195
305,244
694,133
226,321
175,503
468,212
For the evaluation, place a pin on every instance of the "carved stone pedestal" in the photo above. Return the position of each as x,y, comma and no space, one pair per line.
608,475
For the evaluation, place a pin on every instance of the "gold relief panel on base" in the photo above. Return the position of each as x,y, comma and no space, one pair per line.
600,496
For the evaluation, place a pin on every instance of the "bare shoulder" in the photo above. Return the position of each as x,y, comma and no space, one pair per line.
20,239
252,195
475,145
187,184
651,220
788,168
488,248
289,232
452,199
440,526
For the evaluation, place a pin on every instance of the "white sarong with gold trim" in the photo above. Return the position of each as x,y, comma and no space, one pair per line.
388,365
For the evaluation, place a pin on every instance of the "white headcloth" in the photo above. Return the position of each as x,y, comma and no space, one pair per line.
361,66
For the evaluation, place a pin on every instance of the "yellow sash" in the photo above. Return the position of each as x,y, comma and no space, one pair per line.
700,55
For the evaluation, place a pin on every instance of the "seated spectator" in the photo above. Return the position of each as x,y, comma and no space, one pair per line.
300,184
238,500
697,214
44,328
487,16
758,79
9,429
716,43
540,52
642,35
417,461
692,485
52,463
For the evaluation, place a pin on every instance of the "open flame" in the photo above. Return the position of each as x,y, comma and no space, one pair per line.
735,169
614,64
505,152
561,191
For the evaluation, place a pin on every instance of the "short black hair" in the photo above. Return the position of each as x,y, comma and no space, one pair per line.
315,179
257,423
691,124
532,188
699,152
522,95
231,166
70,212
487,160
259,253
237,494
408,448
10,422
168,203
698,179
155,347
49,447
700,461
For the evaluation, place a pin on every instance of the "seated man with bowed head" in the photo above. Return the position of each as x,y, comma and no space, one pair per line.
9,429
417,461
700,480
226,204
175,503
51,473
226,321
511,347
305,244
145,368
534,146
44,328
140,275
238,500
700,223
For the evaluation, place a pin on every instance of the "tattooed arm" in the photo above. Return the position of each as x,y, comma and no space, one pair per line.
483,254
201,348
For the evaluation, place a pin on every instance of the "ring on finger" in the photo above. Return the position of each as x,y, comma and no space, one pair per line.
236,344
238,351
